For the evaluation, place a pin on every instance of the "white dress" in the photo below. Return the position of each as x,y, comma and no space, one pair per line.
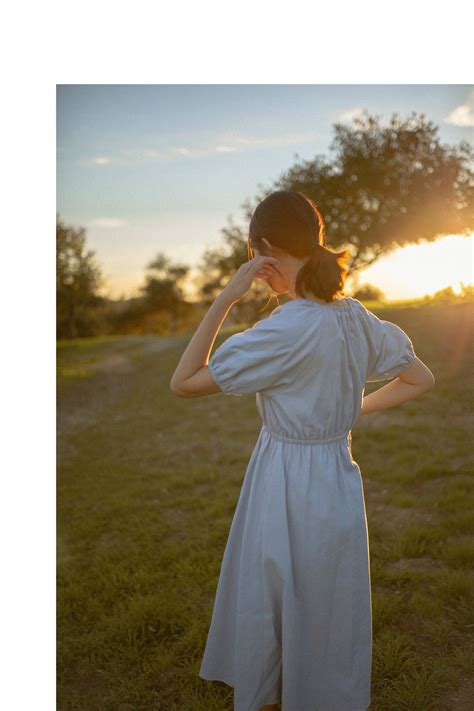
292,619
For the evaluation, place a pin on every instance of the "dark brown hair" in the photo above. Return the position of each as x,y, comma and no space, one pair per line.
291,221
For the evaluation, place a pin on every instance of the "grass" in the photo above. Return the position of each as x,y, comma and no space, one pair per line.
147,486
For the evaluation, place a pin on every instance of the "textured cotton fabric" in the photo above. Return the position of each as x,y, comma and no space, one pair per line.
292,618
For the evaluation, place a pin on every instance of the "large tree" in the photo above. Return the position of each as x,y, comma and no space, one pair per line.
382,187
78,278
388,186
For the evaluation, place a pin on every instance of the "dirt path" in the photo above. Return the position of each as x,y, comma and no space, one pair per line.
461,700
108,379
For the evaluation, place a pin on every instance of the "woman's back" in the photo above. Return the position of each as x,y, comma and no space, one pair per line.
309,362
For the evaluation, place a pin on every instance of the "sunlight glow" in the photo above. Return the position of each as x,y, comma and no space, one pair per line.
419,269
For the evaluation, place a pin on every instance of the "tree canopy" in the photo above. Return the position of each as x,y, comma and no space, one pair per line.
381,187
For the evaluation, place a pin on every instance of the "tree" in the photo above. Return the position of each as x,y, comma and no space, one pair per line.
384,187
163,291
369,292
218,266
78,277
388,186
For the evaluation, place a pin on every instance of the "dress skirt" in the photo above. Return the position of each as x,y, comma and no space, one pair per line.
292,619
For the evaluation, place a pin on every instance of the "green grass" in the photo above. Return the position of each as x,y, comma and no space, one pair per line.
147,486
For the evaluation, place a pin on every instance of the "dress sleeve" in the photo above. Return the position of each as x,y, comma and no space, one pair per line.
253,360
391,350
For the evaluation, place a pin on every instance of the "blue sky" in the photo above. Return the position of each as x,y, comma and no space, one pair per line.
151,168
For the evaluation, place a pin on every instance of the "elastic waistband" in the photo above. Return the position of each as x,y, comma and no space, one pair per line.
284,438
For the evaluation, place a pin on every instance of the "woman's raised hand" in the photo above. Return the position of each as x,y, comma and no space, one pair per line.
259,267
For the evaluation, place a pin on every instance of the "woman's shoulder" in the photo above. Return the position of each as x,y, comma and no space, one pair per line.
291,309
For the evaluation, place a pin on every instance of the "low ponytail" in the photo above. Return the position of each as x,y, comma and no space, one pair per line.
291,221
324,273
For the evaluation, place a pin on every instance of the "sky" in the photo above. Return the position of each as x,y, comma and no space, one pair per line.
161,168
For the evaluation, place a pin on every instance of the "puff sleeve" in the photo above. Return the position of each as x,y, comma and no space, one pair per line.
256,359
390,349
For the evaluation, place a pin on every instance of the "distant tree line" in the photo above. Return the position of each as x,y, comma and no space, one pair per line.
78,279
382,187
82,311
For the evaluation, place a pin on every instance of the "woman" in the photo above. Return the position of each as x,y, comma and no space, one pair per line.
292,617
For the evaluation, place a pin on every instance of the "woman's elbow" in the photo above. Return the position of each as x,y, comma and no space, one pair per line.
420,376
431,383
175,389
427,384
181,392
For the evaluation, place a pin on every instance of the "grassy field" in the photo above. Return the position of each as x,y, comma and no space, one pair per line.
147,486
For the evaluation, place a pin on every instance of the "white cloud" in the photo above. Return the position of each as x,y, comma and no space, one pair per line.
151,153
227,143
270,141
350,114
142,153
108,223
102,160
232,142
462,115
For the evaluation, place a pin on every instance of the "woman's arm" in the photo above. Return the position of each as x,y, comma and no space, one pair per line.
193,363
192,377
410,384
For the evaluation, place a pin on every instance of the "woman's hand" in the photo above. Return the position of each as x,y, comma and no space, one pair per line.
258,267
